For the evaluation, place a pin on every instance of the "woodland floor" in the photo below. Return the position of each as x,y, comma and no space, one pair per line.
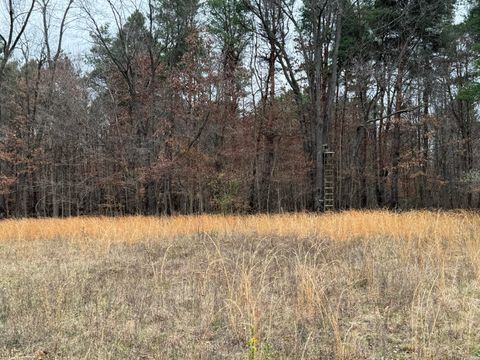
249,294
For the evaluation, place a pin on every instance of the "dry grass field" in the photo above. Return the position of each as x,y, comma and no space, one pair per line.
353,285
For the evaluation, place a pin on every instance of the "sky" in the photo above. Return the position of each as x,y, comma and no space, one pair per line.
76,41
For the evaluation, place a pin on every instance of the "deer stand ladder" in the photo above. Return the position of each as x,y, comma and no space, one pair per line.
328,179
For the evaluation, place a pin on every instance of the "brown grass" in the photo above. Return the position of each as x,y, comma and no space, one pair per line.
338,226
354,285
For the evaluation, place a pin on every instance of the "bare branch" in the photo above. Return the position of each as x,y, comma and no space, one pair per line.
402,111
22,28
62,30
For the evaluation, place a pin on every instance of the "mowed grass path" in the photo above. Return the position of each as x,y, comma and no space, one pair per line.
353,285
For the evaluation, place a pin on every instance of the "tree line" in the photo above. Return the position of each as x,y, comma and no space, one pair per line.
196,106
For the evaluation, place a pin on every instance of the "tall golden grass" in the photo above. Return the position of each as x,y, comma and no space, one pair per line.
418,225
347,286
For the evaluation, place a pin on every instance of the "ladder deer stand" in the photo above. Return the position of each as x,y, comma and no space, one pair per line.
328,179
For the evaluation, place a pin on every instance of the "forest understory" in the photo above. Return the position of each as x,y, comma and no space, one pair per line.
186,107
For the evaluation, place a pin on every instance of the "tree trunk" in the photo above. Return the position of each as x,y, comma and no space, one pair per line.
396,140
